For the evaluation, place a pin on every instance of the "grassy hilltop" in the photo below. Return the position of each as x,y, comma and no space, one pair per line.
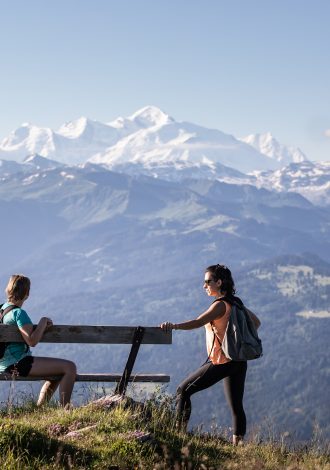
133,436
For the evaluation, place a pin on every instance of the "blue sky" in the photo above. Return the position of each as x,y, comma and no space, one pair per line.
242,66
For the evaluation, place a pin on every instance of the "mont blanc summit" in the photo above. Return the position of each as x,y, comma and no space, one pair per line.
166,142
148,116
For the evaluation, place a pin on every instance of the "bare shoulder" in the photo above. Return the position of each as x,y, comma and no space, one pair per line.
218,307
215,310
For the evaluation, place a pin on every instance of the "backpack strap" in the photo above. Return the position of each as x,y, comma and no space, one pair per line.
6,310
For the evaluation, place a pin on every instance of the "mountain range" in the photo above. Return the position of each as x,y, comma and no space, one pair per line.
83,218
150,142
148,137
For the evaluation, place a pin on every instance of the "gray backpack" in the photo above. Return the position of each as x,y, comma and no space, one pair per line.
241,341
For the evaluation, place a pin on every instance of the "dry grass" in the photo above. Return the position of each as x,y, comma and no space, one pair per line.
134,437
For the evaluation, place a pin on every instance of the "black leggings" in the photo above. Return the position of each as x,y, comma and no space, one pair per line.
208,374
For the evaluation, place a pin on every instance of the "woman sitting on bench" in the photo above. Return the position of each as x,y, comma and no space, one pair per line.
17,359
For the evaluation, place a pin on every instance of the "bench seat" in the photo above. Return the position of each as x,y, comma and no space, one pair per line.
161,378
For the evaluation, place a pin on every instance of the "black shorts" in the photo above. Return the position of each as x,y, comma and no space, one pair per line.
21,368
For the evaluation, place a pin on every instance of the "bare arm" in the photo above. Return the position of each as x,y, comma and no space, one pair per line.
31,336
254,318
216,310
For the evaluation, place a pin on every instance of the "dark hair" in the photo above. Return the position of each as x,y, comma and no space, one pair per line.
219,271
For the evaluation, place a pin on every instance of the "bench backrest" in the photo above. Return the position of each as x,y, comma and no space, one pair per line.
85,334
90,334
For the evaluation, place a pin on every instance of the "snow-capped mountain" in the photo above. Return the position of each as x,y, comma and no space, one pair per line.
146,141
148,116
269,146
310,179
76,141
152,143
171,144
73,143
27,140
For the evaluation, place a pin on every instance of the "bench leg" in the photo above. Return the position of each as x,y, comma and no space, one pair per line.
122,384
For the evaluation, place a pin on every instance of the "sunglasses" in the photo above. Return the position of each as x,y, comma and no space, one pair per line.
208,281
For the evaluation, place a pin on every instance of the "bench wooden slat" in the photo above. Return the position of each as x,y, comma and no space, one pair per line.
162,378
102,334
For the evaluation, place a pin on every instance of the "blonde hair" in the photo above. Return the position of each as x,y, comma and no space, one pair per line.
18,287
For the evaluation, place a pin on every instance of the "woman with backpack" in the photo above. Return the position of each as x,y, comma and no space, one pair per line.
17,359
218,283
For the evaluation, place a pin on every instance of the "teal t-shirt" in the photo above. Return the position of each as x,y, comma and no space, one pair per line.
15,351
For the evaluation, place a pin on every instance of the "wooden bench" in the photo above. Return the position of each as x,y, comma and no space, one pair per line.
98,335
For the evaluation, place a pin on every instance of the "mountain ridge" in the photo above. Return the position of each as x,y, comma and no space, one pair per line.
268,145
149,136
77,210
